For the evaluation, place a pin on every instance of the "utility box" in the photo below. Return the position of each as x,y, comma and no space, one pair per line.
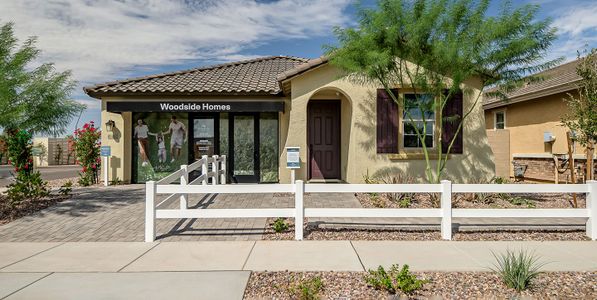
548,137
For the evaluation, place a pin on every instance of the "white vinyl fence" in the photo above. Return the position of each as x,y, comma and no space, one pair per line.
299,212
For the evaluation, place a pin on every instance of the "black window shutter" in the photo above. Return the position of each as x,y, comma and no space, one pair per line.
387,122
450,124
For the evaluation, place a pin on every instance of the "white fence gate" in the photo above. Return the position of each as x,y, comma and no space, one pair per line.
299,212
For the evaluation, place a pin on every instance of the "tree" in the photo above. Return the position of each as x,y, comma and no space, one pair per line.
432,47
582,115
32,99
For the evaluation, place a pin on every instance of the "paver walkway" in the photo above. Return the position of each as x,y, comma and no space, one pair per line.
117,213
220,270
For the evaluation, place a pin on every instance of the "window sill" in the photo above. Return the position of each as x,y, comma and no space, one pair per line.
414,156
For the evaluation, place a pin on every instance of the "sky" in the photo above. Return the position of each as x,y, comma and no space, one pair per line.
106,40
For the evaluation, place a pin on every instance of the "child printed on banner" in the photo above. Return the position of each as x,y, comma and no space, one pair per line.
159,138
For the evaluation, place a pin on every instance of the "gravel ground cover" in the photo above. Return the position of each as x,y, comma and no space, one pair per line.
470,200
448,285
313,232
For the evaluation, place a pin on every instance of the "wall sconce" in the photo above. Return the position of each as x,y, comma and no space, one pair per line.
110,126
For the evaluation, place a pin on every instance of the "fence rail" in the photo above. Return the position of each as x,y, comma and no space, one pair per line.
299,212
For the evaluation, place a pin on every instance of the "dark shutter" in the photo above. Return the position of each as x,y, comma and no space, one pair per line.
387,122
452,116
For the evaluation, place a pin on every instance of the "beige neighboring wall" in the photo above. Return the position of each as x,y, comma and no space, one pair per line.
358,130
119,140
527,122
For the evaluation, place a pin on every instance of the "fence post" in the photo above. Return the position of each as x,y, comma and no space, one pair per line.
214,169
204,169
446,207
223,169
184,180
299,191
592,208
150,191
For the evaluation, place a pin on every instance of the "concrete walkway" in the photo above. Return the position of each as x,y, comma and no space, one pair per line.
220,270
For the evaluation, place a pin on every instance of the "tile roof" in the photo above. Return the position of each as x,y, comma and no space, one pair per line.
558,79
248,77
302,68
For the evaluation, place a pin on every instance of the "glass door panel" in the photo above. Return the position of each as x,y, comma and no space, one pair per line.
244,145
204,136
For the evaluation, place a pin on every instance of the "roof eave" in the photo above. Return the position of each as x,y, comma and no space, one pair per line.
566,87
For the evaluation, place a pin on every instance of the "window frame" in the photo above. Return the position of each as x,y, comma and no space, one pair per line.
495,122
404,120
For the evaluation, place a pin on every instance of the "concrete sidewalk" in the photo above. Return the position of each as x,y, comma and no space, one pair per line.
215,270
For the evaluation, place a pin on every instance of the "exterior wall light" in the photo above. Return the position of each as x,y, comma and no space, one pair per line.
110,126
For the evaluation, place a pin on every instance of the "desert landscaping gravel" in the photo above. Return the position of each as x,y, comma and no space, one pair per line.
447,285
313,232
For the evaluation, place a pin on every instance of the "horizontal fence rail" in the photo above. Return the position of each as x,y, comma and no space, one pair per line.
298,189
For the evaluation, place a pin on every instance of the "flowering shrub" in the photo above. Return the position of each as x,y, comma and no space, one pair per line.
87,151
28,182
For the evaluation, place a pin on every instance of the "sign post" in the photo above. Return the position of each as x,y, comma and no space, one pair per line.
105,152
293,161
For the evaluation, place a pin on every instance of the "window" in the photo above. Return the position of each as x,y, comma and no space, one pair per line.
418,113
500,120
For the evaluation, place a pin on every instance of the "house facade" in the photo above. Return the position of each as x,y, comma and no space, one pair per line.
252,110
526,128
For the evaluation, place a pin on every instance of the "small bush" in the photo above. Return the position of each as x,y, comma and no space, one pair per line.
66,188
517,269
307,289
31,187
280,225
404,203
394,280
519,201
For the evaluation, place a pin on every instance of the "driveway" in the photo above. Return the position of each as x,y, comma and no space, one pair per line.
47,173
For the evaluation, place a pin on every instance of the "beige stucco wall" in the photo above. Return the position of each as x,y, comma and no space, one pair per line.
527,121
358,144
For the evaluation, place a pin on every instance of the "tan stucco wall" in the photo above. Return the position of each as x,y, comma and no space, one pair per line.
527,121
358,144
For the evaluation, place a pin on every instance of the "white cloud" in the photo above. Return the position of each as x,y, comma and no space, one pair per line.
577,28
104,39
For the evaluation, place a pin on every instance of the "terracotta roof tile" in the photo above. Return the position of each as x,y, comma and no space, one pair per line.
255,76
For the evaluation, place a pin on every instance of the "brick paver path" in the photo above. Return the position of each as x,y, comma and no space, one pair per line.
117,214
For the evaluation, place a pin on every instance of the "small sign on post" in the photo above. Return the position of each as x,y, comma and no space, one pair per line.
36,151
293,161
105,152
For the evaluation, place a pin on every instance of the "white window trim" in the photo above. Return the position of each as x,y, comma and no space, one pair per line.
404,120
495,113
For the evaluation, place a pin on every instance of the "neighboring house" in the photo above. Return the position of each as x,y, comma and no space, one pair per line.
526,128
252,110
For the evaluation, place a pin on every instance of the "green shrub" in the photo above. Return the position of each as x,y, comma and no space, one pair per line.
394,280
66,188
28,184
519,201
404,203
87,150
517,269
280,225
307,289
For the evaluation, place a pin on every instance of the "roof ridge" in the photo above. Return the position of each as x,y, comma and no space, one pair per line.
197,69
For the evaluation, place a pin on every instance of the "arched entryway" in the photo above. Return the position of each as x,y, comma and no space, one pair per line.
329,115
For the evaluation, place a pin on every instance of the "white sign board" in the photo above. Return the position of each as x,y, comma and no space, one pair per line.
293,159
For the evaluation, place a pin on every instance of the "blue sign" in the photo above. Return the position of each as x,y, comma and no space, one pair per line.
105,151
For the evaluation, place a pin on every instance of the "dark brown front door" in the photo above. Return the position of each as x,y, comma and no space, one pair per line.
324,139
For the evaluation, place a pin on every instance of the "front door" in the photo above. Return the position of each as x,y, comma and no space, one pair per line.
324,139
244,147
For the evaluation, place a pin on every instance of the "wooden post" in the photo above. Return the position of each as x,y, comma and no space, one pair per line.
223,169
184,180
446,208
150,191
215,169
299,190
204,169
571,165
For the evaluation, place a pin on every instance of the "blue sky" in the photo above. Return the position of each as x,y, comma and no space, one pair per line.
104,40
